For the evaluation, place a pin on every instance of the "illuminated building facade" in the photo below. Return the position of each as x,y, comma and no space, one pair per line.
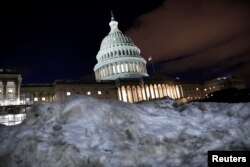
10,82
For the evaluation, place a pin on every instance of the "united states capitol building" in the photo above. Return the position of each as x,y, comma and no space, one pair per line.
120,74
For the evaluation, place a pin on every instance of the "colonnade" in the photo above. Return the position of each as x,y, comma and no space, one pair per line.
136,93
120,67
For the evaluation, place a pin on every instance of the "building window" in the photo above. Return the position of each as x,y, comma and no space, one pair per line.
27,99
122,68
88,93
205,89
0,91
10,90
35,99
43,99
68,93
197,89
99,92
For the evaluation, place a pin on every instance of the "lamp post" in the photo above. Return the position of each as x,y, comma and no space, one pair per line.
150,60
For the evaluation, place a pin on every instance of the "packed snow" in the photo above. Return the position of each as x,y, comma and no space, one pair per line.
86,132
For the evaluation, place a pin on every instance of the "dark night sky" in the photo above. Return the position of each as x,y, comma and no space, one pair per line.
198,39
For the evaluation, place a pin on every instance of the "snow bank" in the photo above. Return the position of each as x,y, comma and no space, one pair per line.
83,131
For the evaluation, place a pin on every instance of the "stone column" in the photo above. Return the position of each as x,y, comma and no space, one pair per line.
181,90
120,93
177,92
156,91
173,91
152,92
4,91
164,91
16,91
129,93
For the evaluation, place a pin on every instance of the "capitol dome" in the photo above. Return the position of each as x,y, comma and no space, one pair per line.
119,57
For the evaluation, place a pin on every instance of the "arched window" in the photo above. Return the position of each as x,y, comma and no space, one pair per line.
119,52
115,53
126,67
123,52
114,69
118,68
122,67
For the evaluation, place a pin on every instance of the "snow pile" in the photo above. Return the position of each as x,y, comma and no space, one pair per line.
88,132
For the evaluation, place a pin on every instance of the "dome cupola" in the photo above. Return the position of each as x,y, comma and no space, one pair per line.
118,56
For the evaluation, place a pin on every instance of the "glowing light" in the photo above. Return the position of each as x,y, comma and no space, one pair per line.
99,92
10,90
88,93
68,93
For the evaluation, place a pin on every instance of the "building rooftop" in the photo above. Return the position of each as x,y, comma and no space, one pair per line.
9,71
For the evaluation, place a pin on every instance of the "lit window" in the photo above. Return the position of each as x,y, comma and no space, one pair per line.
43,99
27,99
210,88
88,93
68,93
35,99
10,90
205,89
197,88
99,92
214,87
0,91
